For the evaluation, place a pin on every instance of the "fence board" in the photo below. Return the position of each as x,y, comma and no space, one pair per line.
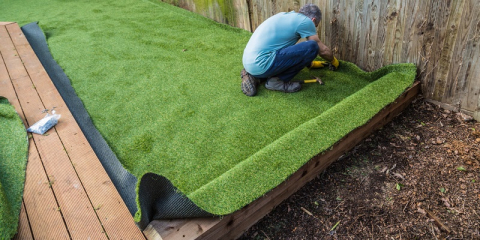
389,21
402,9
456,76
447,46
469,95
439,19
384,26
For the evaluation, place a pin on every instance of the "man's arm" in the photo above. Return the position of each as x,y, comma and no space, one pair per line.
324,52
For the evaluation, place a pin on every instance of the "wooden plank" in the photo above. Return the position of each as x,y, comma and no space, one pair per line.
166,227
402,9
471,68
349,41
438,19
388,28
45,217
360,33
456,86
324,23
181,228
329,17
6,88
372,22
420,39
10,58
76,208
260,11
416,30
381,37
108,204
47,221
233,225
243,14
24,231
336,28
448,46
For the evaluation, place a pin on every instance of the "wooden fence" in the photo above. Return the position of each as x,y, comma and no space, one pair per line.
440,36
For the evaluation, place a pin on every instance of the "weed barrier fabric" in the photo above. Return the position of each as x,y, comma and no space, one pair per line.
159,199
13,161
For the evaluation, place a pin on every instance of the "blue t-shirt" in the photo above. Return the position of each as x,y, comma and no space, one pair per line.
279,31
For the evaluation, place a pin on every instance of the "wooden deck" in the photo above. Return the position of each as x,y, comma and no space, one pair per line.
68,194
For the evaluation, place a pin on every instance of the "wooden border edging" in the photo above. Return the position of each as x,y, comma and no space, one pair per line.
232,226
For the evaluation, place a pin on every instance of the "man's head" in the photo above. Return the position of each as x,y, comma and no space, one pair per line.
313,12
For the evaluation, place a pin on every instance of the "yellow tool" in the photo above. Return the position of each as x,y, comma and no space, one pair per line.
315,80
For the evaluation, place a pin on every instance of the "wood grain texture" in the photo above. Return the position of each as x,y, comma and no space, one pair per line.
67,192
107,203
39,200
24,231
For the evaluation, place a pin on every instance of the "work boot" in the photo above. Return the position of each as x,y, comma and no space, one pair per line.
279,85
249,83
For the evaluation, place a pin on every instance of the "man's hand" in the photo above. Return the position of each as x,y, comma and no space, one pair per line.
334,64
319,64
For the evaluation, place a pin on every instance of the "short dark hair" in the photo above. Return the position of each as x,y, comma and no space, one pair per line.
311,11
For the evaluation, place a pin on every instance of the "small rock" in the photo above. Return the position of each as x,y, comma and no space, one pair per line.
463,186
477,140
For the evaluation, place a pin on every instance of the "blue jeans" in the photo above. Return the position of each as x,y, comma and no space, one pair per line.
291,60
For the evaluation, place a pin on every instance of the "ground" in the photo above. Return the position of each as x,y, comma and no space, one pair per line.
416,178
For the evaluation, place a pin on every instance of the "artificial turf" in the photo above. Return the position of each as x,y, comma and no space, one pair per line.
13,159
162,85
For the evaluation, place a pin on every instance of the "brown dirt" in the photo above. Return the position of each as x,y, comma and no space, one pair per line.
416,178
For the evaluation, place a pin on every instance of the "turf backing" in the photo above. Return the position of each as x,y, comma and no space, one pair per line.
13,159
162,85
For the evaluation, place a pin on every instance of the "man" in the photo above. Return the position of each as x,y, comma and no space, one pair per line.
272,52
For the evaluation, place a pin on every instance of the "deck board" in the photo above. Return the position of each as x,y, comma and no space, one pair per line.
67,192
24,231
38,196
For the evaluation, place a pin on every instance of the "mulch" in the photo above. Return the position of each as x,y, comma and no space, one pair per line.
416,178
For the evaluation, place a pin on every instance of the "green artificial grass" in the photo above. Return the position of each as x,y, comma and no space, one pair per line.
13,159
162,85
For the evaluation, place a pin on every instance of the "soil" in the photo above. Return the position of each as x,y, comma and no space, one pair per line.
416,178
